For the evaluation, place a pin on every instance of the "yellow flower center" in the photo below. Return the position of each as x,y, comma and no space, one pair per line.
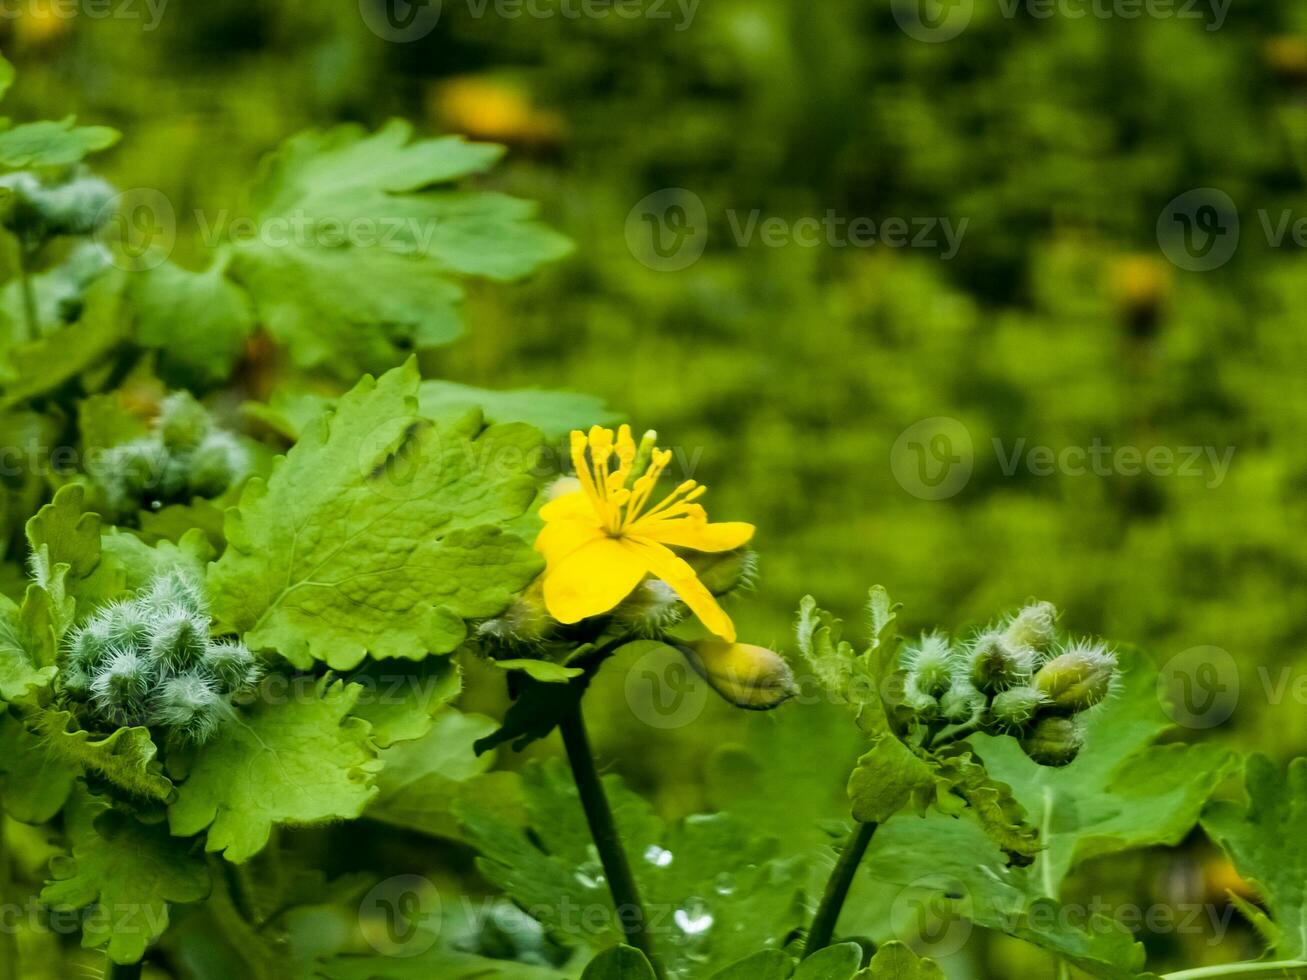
611,465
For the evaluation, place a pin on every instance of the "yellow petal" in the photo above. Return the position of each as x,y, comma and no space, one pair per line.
591,579
677,573
559,538
696,535
574,505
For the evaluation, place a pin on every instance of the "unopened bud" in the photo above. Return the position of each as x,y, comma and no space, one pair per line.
931,664
725,571
1032,627
747,676
1079,678
651,609
1016,707
1053,741
524,622
961,703
218,462
997,665
183,422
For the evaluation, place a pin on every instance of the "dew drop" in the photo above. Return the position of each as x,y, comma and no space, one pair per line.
693,918
657,856
724,884
590,874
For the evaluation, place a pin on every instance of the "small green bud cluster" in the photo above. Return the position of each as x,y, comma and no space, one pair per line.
1012,678
149,661
40,210
185,456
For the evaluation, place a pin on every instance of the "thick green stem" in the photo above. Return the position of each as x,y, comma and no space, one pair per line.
837,889
123,971
1231,971
631,915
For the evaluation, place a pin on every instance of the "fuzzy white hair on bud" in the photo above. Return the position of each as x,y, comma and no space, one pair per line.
996,665
931,664
651,609
1015,708
961,703
1033,626
1083,673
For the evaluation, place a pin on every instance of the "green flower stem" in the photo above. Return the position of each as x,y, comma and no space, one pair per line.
631,915
1279,968
123,971
837,889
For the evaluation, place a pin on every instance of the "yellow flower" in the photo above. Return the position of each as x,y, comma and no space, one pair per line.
600,541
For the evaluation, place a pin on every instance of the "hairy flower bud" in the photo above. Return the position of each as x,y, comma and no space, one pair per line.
931,664
1078,678
183,422
120,687
178,638
233,665
652,608
961,703
747,676
725,571
997,665
189,702
1016,707
149,661
175,588
1032,627
525,622
217,462
1053,741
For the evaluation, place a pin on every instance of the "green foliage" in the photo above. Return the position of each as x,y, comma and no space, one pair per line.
1263,840
304,761
422,781
1122,791
362,538
52,143
619,963
346,305
1056,323
131,872
555,413
719,891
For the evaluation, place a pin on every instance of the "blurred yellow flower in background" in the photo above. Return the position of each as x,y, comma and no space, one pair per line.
491,109
600,541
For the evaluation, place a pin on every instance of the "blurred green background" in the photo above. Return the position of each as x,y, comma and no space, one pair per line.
1060,141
